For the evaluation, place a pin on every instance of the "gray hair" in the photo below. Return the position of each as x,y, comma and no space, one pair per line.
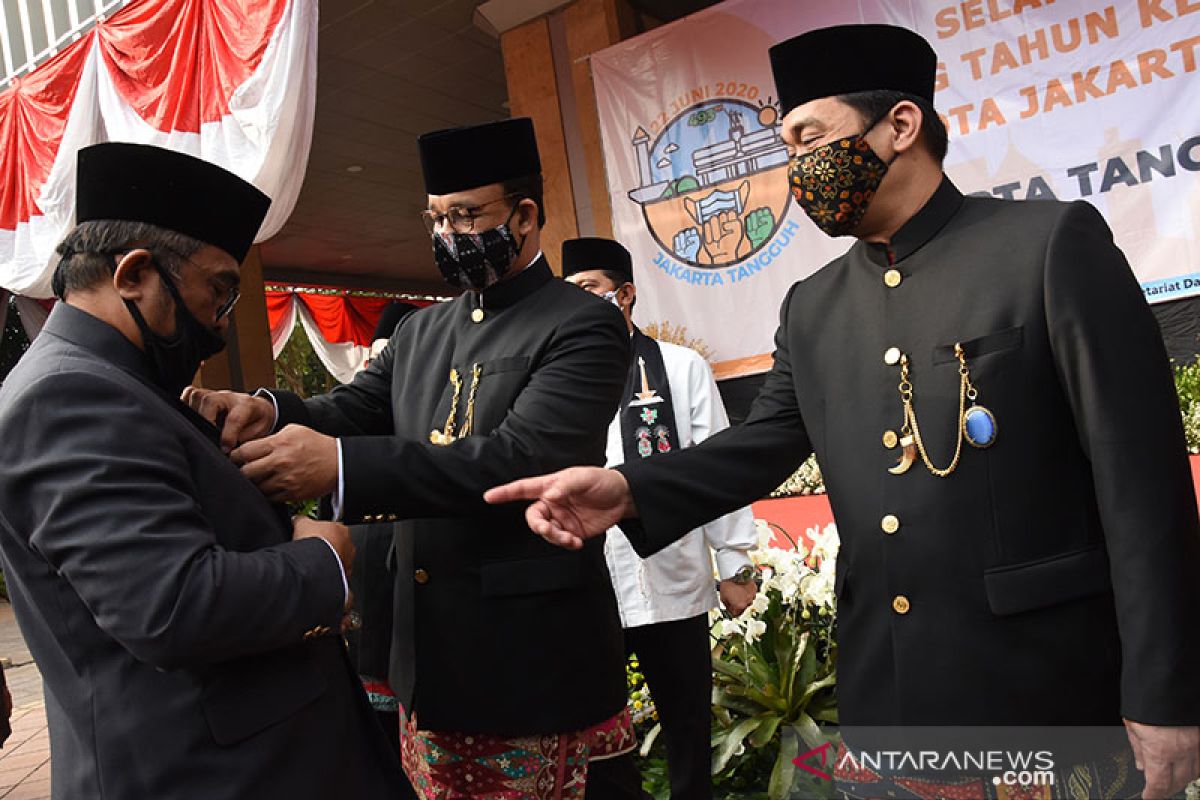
86,254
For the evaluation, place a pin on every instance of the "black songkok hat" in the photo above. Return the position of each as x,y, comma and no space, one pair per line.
182,193
592,252
852,58
390,318
457,159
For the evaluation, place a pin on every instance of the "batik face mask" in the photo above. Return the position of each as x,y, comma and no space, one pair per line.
476,261
835,183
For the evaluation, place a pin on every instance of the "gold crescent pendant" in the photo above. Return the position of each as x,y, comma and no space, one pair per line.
908,456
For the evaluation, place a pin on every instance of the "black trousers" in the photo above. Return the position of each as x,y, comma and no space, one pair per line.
676,658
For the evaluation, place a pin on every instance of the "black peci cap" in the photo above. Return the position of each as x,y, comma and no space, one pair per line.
457,159
593,252
182,193
845,59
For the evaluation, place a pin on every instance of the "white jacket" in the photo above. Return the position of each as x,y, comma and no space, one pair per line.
677,582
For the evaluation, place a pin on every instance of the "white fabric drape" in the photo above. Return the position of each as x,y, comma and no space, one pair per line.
281,332
264,138
342,359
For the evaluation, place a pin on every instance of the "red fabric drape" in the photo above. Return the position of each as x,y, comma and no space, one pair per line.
277,306
344,319
33,113
176,62
340,318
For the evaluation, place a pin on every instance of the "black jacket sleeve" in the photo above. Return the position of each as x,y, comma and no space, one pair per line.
558,419
681,491
1110,358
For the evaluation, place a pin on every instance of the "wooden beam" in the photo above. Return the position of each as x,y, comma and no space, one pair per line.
533,93
591,25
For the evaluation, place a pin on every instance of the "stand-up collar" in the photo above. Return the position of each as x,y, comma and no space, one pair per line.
922,227
95,335
82,329
524,283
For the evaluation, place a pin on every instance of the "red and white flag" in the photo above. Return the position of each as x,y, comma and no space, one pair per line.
230,81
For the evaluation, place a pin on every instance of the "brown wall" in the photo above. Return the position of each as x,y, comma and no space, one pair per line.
533,92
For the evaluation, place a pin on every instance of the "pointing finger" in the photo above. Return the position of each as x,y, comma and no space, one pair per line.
525,489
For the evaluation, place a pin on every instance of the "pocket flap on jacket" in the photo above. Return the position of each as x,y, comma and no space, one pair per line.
508,364
996,342
248,695
1046,582
535,575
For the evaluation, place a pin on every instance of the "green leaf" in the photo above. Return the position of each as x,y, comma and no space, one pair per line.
809,732
816,686
730,669
827,715
777,704
729,700
808,666
765,732
784,771
804,644
785,653
731,741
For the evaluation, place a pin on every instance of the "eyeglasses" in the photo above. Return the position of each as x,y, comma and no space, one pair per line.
461,219
224,306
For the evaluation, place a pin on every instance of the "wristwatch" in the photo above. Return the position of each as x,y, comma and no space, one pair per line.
744,575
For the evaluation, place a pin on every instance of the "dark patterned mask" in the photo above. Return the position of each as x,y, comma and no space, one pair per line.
475,261
835,183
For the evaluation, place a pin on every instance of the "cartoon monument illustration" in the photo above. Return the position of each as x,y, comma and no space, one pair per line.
713,203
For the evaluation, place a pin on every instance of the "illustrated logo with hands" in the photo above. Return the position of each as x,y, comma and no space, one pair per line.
714,185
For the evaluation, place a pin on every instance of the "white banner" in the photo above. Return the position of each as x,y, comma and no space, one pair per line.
1061,99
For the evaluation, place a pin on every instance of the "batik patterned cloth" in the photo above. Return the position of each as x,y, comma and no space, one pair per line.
449,766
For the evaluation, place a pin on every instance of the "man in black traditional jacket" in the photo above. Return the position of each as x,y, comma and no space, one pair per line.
186,629
504,644
989,399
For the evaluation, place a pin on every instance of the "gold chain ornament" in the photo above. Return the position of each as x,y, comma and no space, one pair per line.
976,424
446,435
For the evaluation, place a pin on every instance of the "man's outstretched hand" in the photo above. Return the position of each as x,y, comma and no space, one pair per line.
571,505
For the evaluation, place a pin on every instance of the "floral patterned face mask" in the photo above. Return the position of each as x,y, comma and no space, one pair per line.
835,183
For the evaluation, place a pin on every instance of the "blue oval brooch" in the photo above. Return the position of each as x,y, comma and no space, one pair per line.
979,427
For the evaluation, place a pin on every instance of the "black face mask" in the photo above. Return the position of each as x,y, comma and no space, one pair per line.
476,261
174,360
